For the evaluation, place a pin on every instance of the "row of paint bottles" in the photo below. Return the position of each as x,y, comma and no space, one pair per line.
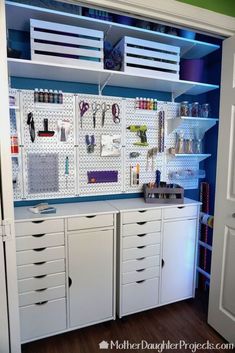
146,103
45,96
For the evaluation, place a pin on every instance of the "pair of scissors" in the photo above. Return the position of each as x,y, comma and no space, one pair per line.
83,106
105,107
95,108
116,113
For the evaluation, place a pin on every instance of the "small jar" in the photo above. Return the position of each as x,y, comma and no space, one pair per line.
195,109
198,146
189,146
46,96
205,110
41,96
51,97
184,108
36,95
180,145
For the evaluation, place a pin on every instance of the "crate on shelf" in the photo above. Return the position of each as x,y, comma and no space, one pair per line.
63,44
163,194
144,57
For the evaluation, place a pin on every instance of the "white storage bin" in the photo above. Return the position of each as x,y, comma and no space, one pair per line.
143,57
67,45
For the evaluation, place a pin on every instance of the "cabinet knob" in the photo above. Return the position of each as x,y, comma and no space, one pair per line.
70,282
142,211
38,235
163,263
141,223
36,222
92,216
141,247
180,207
140,270
143,280
141,235
39,263
39,249
42,303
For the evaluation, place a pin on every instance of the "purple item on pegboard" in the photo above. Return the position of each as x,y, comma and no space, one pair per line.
104,176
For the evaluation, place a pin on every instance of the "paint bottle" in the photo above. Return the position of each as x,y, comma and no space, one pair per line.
141,105
50,97
60,97
36,95
137,103
55,96
46,96
41,96
155,104
145,103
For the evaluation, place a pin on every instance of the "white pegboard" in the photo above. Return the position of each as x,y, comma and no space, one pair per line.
94,161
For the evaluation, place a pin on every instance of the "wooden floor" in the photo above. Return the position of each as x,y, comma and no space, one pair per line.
180,321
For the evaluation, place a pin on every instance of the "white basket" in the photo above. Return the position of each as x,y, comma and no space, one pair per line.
143,57
63,44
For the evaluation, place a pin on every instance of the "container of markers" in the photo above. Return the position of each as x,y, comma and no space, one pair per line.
165,193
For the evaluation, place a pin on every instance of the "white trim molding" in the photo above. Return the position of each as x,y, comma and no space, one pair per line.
172,11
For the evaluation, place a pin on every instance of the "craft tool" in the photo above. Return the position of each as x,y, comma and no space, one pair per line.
116,113
102,176
95,108
134,154
45,132
63,128
66,171
105,107
141,132
90,142
30,122
161,137
158,178
83,106
150,156
135,174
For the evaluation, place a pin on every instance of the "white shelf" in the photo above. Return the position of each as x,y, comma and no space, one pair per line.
48,106
18,16
202,124
15,107
199,157
50,71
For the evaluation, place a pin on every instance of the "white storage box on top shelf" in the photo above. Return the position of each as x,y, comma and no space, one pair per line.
69,45
144,57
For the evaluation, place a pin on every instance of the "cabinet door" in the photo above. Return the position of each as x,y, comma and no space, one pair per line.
178,255
91,273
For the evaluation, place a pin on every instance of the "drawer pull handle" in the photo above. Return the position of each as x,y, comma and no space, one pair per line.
141,223
91,216
37,222
38,235
142,211
163,263
41,276
180,207
141,247
143,280
39,249
42,303
141,235
140,258
40,290
141,270
39,263
70,282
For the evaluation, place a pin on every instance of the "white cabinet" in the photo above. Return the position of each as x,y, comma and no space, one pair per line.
91,267
178,260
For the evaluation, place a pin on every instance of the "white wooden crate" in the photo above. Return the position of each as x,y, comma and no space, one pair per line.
63,44
143,57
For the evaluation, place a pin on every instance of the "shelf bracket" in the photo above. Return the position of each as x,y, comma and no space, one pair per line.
107,31
179,92
103,85
186,50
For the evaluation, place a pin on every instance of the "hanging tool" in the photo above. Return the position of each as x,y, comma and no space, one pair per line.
105,107
83,106
45,132
63,130
90,142
95,108
30,122
141,132
150,156
161,137
116,113
66,171
158,178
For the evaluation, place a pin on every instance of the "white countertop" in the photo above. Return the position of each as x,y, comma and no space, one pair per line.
67,210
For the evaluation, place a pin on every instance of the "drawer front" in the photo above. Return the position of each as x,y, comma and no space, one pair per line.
142,216
141,228
41,282
140,275
136,253
139,296
39,241
144,262
44,319
142,239
40,268
180,212
40,296
39,227
39,255
87,222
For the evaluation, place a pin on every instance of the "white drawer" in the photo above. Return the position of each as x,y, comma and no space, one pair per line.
144,251
140,275
142,216
39,255
141,228
40,268
144,262
41,282
44,319
139,296
93,221
39,241
41,295
180,212
141,239
39,227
